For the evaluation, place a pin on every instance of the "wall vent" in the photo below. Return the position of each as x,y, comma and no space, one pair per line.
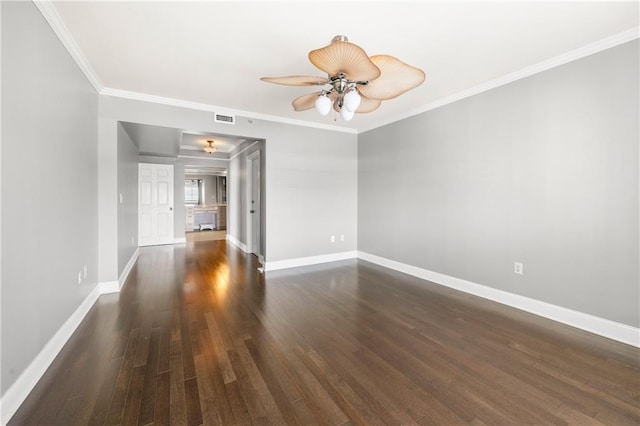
222,118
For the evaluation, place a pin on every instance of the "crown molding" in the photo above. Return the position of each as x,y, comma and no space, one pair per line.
53,19
219,109
573,55
60,29
202,157
231,157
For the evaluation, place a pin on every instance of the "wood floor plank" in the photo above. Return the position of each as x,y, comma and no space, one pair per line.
178,402
199,336
192,397
134,396
118,400
206,393
148,397
161,415
272,379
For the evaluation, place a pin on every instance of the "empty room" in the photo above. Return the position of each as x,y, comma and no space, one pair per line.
319,212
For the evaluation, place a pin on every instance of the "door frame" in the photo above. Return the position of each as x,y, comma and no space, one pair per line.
170,239
251,158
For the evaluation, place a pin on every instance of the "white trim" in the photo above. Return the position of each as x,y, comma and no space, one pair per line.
115,286
127,269
573,55
311,260
261,259
53,18
109,287
179,240
20,389
57,25
243,150
613,330
1,416
254,156
218,109
152,209
233,240
202,157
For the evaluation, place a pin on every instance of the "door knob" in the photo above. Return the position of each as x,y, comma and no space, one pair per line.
252,211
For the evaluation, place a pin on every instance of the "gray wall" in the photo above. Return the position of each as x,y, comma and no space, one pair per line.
127,198
107,198
49,186
311,175
236,207
237,186
311,192
543,171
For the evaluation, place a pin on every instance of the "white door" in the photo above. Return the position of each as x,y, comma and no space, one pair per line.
155,204
254,206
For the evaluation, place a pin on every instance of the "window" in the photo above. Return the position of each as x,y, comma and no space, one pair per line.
193,191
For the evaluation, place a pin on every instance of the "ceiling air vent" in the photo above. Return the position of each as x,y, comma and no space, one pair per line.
227,119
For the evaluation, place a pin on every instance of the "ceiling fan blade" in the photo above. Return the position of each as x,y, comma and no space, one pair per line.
305,102
395,79
368,105
297,80
346,57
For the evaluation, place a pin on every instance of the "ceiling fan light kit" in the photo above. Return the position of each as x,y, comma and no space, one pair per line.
357,83
323,104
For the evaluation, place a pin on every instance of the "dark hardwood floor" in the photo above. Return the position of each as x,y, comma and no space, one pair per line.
198,336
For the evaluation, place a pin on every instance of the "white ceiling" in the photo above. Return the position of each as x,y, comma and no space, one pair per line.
215,52
170,142
197,142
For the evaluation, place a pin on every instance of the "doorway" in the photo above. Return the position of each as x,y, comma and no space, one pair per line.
253,198
205,199
155,204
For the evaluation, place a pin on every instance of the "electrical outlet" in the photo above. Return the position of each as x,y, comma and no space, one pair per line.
518,268
84,271
80,277
333,238
342,237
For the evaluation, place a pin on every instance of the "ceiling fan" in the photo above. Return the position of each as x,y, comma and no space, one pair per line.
356,82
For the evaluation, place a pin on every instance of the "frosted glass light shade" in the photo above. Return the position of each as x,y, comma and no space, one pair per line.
323,104
305,102
352,100
346,114
210,148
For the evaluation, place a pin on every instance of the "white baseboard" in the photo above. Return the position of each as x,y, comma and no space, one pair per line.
180,240
311,260
109,287
233,240
18,392
613,330
127,269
